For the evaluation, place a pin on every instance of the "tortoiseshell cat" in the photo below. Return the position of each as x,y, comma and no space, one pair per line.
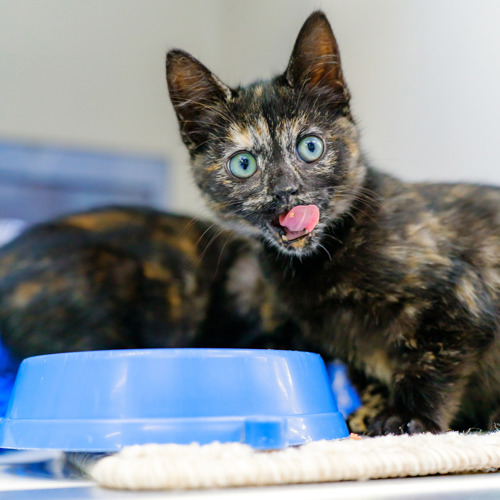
401,281
320,251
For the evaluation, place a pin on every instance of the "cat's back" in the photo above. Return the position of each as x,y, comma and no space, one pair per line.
434,237
136,229
463,202
116,277
469,214
460,220
117,244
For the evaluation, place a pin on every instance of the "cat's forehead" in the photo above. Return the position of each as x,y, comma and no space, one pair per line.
263,114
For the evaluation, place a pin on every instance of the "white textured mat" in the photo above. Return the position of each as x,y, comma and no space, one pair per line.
216,465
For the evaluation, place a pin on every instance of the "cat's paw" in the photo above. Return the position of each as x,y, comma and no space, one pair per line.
390,422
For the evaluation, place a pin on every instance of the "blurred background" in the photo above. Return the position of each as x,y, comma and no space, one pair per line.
85,117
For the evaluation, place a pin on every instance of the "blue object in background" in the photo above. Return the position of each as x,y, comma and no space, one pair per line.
42,181
347,398
8,370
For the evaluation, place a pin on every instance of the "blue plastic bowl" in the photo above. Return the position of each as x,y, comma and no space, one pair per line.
102,401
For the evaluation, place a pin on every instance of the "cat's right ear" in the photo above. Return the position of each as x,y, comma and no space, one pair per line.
315,60
194,92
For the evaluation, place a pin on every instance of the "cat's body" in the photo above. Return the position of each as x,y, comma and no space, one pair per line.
401,281
408,294
124,277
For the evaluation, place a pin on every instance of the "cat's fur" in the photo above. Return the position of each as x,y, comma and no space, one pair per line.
124,277
401,281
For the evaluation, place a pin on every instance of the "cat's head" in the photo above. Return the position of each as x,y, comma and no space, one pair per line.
277,159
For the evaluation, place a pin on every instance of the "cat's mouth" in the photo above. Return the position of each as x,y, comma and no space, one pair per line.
294,227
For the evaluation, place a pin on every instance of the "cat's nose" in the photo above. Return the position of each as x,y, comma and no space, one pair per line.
284,194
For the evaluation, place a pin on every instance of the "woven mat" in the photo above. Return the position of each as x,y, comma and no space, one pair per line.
216,465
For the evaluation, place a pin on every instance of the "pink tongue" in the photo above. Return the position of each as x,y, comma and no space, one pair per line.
301,217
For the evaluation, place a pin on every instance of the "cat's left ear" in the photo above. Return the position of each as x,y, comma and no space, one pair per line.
315,60
194,91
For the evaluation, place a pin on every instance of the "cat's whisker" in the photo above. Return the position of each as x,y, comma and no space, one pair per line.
205,122
228,239
210,243
353,212
210,108
337,240
327,252
188,225
360,191
364,199
209,228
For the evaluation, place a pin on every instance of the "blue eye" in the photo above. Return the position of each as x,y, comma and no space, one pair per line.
242,165
310,148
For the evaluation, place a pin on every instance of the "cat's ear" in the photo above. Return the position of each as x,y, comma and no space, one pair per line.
315,60
194,92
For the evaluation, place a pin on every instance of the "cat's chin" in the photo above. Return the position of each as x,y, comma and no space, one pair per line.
301,245
298,243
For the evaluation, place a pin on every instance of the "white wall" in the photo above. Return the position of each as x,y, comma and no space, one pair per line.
425,74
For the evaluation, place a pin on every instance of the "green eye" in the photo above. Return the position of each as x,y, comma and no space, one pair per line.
310,148
242,165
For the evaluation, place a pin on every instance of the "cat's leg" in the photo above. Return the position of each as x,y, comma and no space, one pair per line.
494,420
373,402
428,385
434,359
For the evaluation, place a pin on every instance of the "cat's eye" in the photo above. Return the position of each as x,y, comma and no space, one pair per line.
310,148
242,165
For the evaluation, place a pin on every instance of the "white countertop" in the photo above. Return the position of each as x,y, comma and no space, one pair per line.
33,475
